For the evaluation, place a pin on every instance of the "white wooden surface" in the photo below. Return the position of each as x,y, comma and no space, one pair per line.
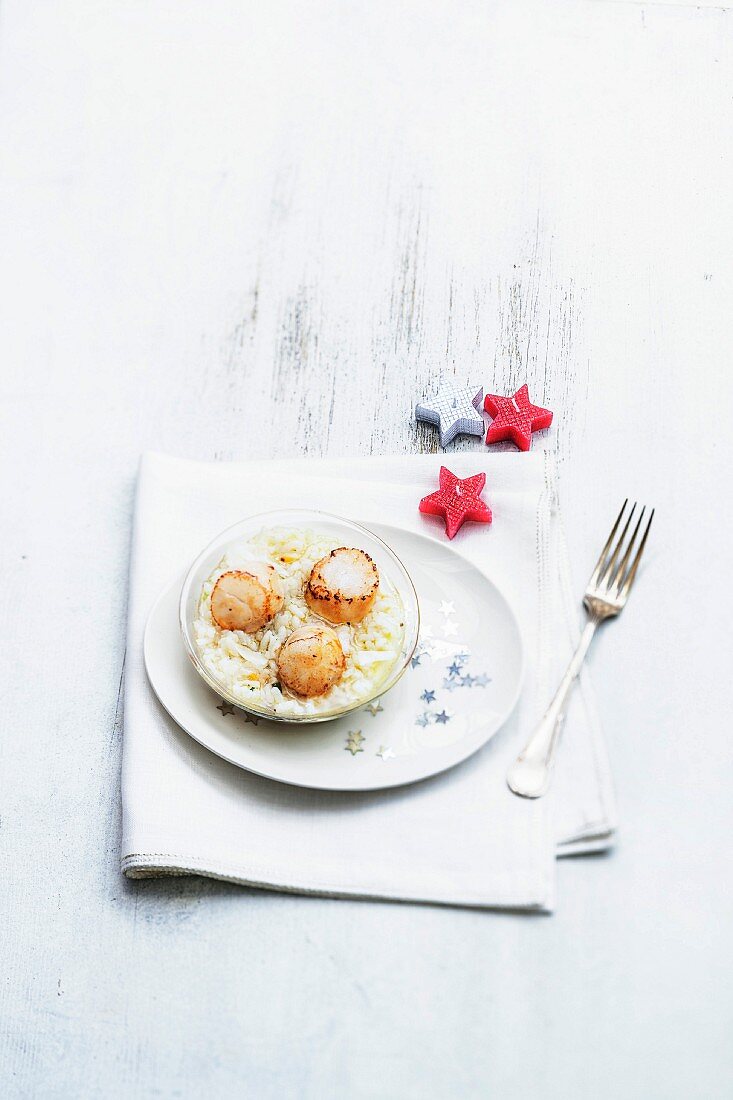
238,229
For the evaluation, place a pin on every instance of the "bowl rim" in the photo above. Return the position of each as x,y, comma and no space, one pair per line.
391,680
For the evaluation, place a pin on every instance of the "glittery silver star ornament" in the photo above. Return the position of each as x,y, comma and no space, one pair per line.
455,410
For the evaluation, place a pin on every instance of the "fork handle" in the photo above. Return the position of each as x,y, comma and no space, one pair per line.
529,776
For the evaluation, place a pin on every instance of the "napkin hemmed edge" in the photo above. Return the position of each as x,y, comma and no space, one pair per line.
164,865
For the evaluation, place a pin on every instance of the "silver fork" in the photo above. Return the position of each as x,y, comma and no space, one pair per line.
605,597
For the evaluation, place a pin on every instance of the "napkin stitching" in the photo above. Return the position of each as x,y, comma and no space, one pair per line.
267,868
233,872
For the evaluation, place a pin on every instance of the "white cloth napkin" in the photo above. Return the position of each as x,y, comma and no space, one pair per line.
460,838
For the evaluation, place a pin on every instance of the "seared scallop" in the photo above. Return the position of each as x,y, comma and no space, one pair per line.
342,587
311,660
246,599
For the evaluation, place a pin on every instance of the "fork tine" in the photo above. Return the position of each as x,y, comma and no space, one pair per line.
618,578
610,571
626,588
601,561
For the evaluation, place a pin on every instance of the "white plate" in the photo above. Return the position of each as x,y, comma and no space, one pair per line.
463,684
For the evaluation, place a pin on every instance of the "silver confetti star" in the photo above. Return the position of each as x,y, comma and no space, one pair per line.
447,608
452,684
354,742
428,696
450,629
455,410
454,669
468,681
225,708
415,661
422,720
253,718
374,708
385,753
482,680
442,717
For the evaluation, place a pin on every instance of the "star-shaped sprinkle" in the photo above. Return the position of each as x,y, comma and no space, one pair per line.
225,708
385,753
455,409
354,742
425,649
428,696
447,608
515,418
442,717
374,708
450,629
457,500
422,719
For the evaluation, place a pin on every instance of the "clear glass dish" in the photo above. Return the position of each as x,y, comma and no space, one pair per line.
345,533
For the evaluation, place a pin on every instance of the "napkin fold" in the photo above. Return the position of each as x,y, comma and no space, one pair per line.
460,838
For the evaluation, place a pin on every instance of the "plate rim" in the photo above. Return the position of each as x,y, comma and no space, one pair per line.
365,786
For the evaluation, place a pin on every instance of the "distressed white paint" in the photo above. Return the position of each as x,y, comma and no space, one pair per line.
238,229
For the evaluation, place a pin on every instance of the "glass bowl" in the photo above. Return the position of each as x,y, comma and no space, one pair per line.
345,533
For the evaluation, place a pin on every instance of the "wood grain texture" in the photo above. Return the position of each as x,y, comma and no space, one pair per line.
236,230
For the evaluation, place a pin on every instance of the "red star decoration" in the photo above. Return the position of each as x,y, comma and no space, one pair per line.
457,500
515,418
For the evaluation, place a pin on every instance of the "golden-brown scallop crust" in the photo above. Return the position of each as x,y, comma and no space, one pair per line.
311,660
332,603
246,599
